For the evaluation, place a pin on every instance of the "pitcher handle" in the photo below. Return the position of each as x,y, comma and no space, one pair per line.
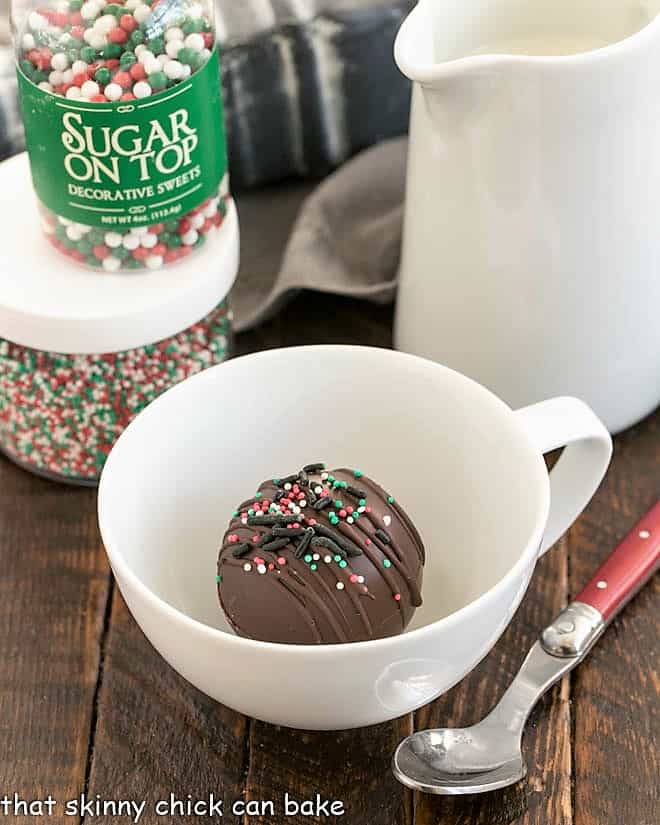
569,423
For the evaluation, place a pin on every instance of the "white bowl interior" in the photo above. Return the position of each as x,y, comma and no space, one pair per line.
449,451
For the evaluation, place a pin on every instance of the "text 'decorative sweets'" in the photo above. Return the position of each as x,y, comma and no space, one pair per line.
122,105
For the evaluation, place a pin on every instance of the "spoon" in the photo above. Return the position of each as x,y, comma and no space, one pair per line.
488,755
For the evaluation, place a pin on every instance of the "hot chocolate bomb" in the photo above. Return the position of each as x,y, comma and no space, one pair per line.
320,558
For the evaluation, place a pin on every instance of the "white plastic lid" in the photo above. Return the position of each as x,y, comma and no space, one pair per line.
48,302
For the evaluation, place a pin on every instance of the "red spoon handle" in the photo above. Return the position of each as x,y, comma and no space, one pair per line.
628,568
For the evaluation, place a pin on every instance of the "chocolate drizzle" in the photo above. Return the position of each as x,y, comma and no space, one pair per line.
340,575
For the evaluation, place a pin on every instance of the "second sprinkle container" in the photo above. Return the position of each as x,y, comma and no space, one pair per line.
122,108
80,357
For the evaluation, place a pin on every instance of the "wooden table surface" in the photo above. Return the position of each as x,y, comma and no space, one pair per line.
87,706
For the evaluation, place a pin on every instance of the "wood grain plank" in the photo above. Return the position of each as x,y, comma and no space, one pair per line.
53,593
545,797
616,691
156,735
350,766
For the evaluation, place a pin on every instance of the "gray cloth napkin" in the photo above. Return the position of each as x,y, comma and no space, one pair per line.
344,239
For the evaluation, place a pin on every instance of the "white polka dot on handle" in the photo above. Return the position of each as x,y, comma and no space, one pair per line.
154,261
90,88
111,264
195,42
113,240
60,62
130,242
113,91
149,240
190,239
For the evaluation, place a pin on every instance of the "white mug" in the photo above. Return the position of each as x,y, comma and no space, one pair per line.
468,470
531,256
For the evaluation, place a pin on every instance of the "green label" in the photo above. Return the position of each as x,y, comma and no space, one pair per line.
131,163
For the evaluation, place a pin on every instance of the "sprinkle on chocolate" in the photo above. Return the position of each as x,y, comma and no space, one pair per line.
322,503
270,521
329,544
291,532
301,549
241,550
276,544
347,545
355,492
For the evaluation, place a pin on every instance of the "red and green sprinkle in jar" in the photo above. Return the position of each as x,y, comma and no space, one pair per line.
61,414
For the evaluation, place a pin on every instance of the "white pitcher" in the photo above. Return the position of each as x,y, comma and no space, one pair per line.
531,257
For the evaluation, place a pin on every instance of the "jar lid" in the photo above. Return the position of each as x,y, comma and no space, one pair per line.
50,303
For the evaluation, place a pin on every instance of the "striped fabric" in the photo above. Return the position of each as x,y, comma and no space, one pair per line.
307,84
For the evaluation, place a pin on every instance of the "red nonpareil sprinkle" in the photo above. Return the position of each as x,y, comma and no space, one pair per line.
354,578
101,251
367,509
349,510
98,98
112,63
77,28
258,560
157,228
397,597
184,226
342,513
137,71
255,539
128,23
312,522
233,538
123,79
271,566
127,96
281,561
141,254
367,542
118,35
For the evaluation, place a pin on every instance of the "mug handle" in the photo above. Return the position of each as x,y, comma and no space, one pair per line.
569,423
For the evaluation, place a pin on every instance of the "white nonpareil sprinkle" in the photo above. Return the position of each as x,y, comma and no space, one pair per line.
154,261
111,264
197,221
113,239
73,233
145,55
327,559
60,62
173,33
55,78
247,567
36,22
113,91
90,88
139,49
340,585
141,13
97,41
90,10
151,65
73,93
194,41
173,69
106,24
141,89
28,42
173,48
190,239
45,86
139,230
130,242
149,240
261,569
211,211
78,66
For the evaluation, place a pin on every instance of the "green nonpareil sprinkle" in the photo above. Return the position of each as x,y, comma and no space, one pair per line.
343,564
358,473
218,579
390,499
308,559
338,558
258,495
362,502
339,504
387,563
313,567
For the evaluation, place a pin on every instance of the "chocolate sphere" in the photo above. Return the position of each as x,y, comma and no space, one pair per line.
320,557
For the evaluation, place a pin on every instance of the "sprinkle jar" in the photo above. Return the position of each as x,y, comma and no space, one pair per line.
123,117
80,357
